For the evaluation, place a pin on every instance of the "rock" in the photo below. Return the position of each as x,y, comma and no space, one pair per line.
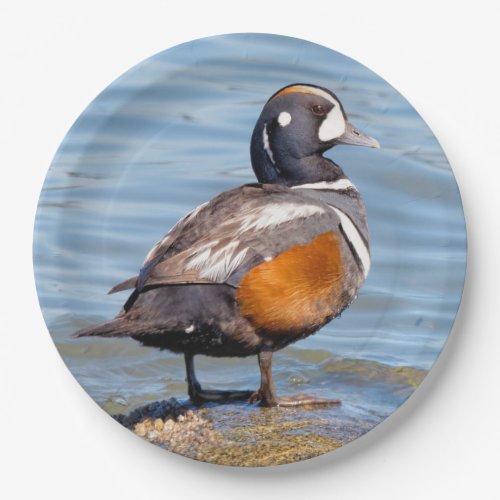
245,436
160,409
140,429
153,436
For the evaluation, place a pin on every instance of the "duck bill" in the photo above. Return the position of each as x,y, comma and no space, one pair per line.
354,137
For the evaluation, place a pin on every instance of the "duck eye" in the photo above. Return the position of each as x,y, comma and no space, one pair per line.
318,110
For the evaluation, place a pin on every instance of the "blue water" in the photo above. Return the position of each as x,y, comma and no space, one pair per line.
173,132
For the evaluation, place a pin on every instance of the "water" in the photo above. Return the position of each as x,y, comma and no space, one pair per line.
173,132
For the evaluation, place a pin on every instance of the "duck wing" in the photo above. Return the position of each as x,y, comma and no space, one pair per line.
221,240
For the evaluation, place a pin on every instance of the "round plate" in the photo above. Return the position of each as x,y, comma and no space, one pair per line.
170,134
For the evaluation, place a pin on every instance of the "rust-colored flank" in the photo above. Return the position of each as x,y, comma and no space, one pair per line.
300,287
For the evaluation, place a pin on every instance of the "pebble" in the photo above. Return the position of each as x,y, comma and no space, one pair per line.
172,426
158,424
140,429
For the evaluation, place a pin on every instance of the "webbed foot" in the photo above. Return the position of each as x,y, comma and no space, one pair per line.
271,400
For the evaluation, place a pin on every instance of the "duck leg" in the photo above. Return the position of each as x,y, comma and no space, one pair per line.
199,395
267,396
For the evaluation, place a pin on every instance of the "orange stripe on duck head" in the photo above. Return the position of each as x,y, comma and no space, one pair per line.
304,88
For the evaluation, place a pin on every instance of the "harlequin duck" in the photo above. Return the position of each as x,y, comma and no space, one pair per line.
262,265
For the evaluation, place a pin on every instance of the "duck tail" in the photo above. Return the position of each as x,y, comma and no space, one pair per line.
117,327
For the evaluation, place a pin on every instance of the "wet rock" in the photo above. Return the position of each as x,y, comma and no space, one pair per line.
170,408
243,435
365,371
185,433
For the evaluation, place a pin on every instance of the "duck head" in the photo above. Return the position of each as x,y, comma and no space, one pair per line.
297,125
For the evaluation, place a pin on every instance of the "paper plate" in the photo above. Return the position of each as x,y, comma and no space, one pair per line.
172,133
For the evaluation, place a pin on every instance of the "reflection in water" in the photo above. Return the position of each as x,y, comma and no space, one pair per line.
173,132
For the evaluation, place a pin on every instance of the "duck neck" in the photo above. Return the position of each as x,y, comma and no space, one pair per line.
308,170
282,168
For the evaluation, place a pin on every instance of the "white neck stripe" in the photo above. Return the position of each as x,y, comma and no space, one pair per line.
267,146
354,236
338,185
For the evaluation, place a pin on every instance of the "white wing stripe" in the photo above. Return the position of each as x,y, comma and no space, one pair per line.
354,237
275,214
338,185
220,270
219,265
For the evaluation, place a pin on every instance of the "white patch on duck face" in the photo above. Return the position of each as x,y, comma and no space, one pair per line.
189,329
338,185
267,146
272,215
354,236
284,118
333,125
216,265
